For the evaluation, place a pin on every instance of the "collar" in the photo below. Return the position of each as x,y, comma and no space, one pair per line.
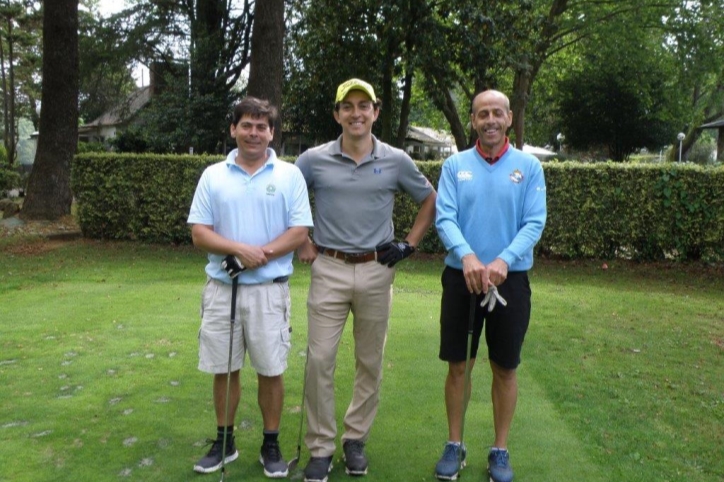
271,158
375,154
496,158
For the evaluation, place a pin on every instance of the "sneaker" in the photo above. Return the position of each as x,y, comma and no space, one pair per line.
499,466
211,462
271,458
317,469
355,460
451,462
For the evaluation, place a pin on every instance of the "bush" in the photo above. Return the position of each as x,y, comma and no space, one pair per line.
599,210
702,152
85,147
637,211
9,179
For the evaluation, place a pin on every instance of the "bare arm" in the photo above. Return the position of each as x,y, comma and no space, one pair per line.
424,219
290,240
205,238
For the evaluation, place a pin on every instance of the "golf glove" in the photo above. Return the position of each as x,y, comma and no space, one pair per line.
391,253
232,266
492,297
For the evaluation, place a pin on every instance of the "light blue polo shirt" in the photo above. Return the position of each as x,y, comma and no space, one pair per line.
252,209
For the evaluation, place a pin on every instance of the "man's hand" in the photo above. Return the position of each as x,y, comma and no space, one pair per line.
307,252
498,271
394,252
232,266
476,274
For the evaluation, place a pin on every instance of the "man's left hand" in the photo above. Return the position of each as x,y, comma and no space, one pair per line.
394,252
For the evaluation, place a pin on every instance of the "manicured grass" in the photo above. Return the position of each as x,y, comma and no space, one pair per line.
621,376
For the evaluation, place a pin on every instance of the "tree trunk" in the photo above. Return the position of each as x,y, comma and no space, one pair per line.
388,74
457,128
519,101
692,135
405,110
12,145
3,79
528,68
49,196
266,68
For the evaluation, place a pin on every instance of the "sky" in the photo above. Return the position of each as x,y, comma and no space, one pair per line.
109,7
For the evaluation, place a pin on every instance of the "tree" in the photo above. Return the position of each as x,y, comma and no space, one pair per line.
266,68
197,51
49,195
620,96
19,55
373,40
696,38
313,73
105,59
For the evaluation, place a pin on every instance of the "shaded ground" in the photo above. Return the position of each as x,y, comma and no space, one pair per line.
27,237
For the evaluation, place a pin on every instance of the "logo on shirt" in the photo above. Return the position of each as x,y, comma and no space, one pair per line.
516,176
465,175
271,189
377,170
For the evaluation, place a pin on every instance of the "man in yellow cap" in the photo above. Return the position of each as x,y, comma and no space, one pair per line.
353,254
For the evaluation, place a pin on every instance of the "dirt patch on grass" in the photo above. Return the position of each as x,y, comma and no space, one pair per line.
21,237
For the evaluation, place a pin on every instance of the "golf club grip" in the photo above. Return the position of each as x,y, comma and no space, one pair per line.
234,286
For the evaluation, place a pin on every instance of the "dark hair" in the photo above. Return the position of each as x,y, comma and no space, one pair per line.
377,105
256,108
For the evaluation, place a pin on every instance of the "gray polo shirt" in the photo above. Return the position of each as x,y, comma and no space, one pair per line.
354,202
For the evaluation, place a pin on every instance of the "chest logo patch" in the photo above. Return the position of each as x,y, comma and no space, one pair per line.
377,170
516,176
271,189
465,175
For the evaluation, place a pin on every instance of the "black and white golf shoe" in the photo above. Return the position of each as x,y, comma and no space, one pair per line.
211,462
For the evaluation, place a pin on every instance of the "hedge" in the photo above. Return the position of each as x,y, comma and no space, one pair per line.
602,210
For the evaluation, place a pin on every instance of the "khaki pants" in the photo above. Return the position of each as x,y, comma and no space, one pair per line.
337,288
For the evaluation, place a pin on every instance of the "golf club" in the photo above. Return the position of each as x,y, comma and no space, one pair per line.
234,284
466,386
292,465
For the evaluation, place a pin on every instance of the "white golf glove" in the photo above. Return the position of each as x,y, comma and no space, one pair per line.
492,297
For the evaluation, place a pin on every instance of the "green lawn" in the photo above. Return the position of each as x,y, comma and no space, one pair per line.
621,376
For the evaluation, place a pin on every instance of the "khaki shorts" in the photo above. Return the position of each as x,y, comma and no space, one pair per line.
261,328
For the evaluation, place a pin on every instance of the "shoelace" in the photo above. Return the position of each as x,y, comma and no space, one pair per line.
355,448
451,452
217,444
492,297
500,458
272,452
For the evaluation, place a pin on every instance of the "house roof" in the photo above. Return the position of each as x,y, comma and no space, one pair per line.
135,101
538,151
713,125
426,136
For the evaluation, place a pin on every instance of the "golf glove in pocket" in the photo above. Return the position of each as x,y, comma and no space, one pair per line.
391,253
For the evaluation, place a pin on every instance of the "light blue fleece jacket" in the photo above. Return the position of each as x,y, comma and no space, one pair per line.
496,211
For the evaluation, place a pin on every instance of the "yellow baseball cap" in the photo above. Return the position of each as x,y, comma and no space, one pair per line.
354,84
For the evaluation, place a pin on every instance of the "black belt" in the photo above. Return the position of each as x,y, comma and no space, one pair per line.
281,279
